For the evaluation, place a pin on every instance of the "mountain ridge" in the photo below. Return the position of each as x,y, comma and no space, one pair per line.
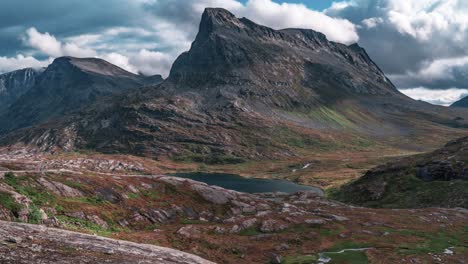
245,90
67,85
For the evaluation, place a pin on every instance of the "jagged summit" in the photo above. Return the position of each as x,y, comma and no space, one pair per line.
233,51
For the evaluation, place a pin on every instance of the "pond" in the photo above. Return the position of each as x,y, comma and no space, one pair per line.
247,185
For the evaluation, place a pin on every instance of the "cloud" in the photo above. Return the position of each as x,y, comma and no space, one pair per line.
50,46
417,43
372,22
20,61
141,61
287,15
185,15
436,96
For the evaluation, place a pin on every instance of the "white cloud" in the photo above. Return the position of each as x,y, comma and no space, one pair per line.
8,64
44,42
440,96
49,45
437,71
287,15
142,61
151,62
372,22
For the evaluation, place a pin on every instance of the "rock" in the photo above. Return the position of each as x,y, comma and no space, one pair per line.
220,230
276,259
213,194
235,229
13,239
97,220
43,214
249,223
79,215
59,188
269,226
189,231
314,221
56,245
282,247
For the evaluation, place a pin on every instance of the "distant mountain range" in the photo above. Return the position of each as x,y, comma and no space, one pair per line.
242,91
65,85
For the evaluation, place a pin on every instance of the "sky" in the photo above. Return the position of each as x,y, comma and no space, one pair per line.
421,45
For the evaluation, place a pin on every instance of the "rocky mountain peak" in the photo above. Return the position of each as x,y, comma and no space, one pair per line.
90,65
218,17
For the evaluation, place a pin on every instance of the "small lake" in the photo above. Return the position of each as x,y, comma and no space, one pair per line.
247,185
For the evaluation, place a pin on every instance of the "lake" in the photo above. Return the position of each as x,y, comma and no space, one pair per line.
247,185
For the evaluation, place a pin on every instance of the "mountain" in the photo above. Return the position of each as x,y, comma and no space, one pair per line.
16,83
246,91
461,103
437,179
66,85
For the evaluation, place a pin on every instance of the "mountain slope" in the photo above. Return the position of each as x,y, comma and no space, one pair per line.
16,83
245,91
66,85
461,103
438,179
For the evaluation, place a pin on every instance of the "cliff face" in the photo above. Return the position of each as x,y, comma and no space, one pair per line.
233,54
16,83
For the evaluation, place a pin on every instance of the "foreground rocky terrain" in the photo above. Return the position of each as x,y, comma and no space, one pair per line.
120,199
26,243
439,178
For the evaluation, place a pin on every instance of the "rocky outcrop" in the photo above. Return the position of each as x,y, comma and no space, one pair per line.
59,188
25,243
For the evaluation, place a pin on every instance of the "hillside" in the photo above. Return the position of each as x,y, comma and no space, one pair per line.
461,103
439,179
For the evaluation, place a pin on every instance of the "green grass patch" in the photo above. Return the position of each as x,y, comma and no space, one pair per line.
34,215
191,222
302,259
75,185
9,203
348,257
251,231
433,242
133,195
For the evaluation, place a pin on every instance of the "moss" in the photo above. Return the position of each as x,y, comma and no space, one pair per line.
302,259
432,242
133,195
348,257
251,231
9,203
34,215
11,179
